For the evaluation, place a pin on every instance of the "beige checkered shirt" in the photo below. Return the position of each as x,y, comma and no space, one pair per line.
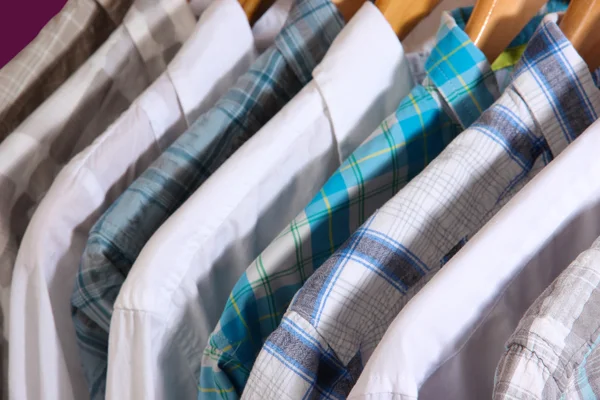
58,50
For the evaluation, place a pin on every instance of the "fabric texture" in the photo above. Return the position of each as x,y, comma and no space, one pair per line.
339,316
266,182
219,50
118,237
554,352
423,124
78,112
61,47
446,343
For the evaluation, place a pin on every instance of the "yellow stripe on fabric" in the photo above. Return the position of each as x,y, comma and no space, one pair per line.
212,390
237,310
445,57
328,205
384,151
461,80
509,57
269,316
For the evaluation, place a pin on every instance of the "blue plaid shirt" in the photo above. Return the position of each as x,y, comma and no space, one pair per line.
459,86
118,237
341,313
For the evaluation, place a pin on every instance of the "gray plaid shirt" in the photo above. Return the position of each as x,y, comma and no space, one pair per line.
554,352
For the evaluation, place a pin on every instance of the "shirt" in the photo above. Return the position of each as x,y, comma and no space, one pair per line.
339,316
219,50
117,238
61,47
393,154
79,111
448,339
266,182
554,352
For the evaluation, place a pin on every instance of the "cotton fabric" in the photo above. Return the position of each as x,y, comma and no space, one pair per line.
219,50
117,238
265,183
450,336
78,112
554,352
393,154
264,291
341,313
61,47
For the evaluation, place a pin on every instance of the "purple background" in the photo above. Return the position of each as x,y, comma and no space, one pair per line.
21,21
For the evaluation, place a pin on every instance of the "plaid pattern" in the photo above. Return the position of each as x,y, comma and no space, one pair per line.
341,313
61,47
459,85
117,238
78,112
554,351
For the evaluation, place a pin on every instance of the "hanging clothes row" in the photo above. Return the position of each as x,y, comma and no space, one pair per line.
302,199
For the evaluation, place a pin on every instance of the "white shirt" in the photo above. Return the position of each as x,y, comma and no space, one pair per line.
447,342
44,360
181,280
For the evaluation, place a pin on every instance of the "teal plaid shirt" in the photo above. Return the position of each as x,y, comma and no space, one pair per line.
117,238
459,86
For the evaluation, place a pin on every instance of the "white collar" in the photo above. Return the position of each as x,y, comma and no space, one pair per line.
345,75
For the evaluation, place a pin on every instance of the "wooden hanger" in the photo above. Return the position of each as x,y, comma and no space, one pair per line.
254,9
404,15
580,25
495,23
348,7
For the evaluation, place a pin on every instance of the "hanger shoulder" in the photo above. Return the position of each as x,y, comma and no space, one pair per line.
348,7
580,25
495,23
404,15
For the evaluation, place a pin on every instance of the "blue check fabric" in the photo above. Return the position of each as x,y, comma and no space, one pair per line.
117,238
341,313
459,86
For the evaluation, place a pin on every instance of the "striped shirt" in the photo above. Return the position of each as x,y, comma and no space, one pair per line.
117,238
459,85
61,47
554,352
341,313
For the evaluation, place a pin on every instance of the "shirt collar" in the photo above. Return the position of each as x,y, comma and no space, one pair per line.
555,82
460,71
308,32
362,78
158,31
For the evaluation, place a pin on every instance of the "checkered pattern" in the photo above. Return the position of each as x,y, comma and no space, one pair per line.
460,84
117,238
554,352
79,111
58,50
341,313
